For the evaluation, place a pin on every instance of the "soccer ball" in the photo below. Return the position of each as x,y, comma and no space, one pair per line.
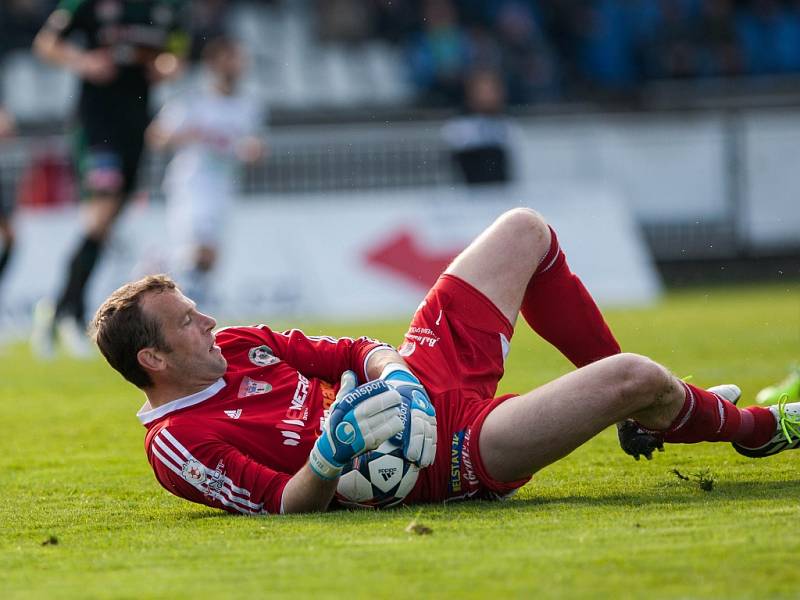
377,479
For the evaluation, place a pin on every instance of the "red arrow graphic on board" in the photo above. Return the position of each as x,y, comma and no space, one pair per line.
400,254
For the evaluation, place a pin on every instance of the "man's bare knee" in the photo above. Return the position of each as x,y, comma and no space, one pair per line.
501,261
527,230
642,383
526,223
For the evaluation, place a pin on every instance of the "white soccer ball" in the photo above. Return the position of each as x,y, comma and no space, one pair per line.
377,479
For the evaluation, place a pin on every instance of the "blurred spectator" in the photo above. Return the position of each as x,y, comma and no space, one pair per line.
485,47
770,36
605,45
439,54
722,54
673,52
479,140
528,61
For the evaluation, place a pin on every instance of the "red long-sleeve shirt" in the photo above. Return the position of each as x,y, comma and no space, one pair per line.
237,443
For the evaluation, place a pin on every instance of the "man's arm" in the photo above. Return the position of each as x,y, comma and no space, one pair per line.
217,474
380,359
170,129
96,66
322,357
306,492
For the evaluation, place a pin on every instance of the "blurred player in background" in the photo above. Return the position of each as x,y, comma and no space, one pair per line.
211,130
6,201
128,45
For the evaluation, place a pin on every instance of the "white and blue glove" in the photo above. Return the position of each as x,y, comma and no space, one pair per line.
360,419
419,437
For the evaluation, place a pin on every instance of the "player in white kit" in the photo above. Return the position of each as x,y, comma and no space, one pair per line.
212,131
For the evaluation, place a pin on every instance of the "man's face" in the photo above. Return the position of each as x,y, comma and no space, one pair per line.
229,63
193,358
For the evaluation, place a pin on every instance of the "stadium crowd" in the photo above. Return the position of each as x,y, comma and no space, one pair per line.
551,49
546,49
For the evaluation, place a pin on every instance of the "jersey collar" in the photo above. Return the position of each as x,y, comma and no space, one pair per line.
148,416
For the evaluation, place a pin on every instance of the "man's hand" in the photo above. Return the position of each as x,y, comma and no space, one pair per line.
6,123
419,439
249,149
636,441
360,419
164,66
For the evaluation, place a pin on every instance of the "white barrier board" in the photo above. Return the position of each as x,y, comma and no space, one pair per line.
338,256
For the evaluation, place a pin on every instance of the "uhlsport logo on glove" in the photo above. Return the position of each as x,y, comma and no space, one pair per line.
346,433
420,402
368,389
405,411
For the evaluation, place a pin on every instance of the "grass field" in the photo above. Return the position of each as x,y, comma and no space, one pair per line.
83,517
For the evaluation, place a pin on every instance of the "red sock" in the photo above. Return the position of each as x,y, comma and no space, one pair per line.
705,417
559,308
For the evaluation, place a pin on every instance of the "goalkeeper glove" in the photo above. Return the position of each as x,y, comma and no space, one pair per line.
360,419
419,437
636,441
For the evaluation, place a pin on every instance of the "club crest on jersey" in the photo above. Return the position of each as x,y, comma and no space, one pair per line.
193,471
262,356
252,387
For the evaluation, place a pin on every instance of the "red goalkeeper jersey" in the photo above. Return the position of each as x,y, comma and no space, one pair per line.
235,444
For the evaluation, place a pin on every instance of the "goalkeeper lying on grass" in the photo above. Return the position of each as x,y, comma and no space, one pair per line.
244,418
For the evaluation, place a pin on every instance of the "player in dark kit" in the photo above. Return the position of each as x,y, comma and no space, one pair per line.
6,200
128,45
242,419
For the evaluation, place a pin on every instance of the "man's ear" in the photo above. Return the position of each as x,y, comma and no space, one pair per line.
151,359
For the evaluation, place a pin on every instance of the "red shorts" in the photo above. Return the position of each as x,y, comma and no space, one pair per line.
456,345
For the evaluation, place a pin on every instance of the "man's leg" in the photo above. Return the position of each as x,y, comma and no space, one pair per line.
7,239
100,212
527,433
196,279
107,171
68,319
560,309
108,162
518,264
501,261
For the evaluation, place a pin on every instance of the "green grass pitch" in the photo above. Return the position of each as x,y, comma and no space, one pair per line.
83,517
